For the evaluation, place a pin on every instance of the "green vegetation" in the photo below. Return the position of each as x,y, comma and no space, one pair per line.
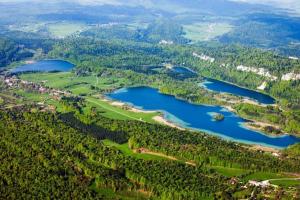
287,120
79,85
230,172
218,117
119,113
206,31
129,152
286,183
103,66
293,151
266,30
260,176
65,150
72,162
61,30
78,145
10,52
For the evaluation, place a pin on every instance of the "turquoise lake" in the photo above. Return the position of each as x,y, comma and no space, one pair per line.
44,66
199,117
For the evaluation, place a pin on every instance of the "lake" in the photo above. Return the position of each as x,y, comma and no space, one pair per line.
183,70
199,117
220,86
44,66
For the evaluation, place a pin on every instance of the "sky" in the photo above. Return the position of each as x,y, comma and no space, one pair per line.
285,4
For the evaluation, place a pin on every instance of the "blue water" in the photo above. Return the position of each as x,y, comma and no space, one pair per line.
183,70
199,117
220,86
45,66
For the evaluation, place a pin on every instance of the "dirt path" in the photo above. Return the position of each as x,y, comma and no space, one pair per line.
147,151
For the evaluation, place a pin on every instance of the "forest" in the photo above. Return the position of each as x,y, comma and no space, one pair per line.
11,52
66,151
61,137
48,149
133,61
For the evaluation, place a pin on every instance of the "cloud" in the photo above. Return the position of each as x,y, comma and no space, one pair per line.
293,5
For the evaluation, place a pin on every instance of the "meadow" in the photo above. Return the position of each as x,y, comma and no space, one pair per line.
64,29
84,86
79,85
206,31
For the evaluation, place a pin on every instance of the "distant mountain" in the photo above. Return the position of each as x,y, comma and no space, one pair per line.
219,7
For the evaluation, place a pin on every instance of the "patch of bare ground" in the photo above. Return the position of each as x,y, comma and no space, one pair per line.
161,120
149,152
264,149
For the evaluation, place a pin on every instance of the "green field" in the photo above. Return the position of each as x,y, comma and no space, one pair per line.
28,27
124,148
206,31
58,30
286,183
82,86
260,176
64,29
119,113
77,85
230,172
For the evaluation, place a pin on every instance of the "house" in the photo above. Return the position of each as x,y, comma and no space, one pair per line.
262,184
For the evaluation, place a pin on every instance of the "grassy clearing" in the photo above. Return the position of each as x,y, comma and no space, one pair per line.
229,172
119,113
83,86
260,176
28,27
206,31
33,96
61,30
58,30
124,148
286,183
77,85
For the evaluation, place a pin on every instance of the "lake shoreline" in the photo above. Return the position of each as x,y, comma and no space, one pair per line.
40,66
221,134
258,125
162,120
236,85
159,118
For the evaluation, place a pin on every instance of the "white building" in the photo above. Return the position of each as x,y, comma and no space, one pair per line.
204,57
290,76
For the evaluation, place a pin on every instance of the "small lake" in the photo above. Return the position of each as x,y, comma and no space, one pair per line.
183,70
199,117
220,86
45,66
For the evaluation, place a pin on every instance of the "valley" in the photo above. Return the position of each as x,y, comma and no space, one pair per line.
155,99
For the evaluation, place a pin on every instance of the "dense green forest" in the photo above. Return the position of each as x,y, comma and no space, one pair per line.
11,52
257,30
61,138
46,150
95,53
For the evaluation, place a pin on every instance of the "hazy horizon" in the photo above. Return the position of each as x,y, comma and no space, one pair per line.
289,5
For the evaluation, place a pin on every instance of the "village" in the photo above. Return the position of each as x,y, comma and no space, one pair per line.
14,82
